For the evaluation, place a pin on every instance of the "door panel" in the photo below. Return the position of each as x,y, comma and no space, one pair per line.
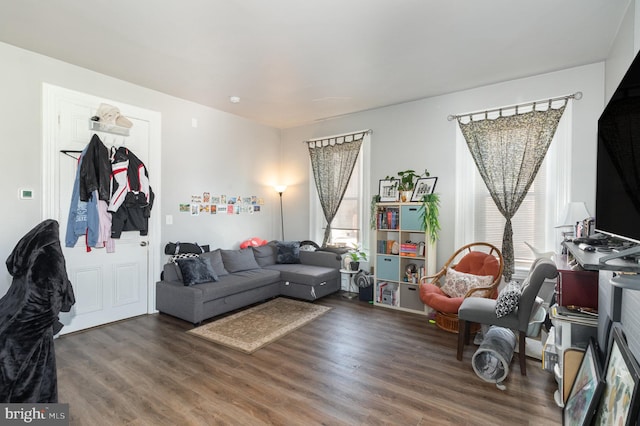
108,286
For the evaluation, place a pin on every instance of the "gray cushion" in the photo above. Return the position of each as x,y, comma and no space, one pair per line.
216,262
196,270
288,252
306,274
265,255
238,283
239,260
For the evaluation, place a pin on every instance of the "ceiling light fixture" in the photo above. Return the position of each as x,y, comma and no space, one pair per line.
234,99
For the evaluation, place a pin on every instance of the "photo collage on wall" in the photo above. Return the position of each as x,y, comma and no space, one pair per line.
221,204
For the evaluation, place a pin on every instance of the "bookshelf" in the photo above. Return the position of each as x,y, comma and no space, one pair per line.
401,245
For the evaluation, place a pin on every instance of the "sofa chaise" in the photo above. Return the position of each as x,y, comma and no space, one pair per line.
233,279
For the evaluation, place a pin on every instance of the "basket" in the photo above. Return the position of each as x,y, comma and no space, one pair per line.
449,322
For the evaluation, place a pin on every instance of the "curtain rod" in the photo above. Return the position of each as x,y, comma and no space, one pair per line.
577,96
343,135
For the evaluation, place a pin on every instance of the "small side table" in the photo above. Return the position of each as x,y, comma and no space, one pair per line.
347,275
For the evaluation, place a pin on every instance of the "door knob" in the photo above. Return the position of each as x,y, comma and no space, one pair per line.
143,243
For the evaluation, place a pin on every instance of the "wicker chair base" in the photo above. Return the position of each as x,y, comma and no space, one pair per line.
449,322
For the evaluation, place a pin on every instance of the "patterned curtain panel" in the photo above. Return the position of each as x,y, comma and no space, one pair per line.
332,164
508,152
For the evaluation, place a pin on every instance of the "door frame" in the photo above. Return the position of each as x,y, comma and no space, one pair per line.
50,179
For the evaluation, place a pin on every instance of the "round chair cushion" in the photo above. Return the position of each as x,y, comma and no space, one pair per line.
432,295
479,263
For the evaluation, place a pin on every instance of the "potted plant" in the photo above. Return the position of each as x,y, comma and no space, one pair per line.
356,254
407,182
429,215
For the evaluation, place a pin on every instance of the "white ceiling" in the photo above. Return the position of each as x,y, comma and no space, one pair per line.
297,61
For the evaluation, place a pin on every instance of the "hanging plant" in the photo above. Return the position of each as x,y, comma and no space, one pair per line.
430,216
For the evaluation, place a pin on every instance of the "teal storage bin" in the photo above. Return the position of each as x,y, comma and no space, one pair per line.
410,218
387,267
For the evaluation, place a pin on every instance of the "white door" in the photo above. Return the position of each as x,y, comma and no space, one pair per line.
108,286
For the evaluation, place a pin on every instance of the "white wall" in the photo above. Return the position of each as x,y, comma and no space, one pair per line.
224,154
417,135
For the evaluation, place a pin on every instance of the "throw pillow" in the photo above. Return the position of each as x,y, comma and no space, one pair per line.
196,270
265,255
239,260
288,252
216,261
508,299
456,284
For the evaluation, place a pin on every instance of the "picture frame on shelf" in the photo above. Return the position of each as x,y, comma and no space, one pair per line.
586,389
619,402
424,186
388,190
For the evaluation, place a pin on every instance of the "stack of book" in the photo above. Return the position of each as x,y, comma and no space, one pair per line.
408,249
575,314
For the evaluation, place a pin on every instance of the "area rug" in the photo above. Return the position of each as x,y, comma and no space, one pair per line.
256,327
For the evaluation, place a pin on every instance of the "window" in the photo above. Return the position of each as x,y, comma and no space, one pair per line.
478,219
350,226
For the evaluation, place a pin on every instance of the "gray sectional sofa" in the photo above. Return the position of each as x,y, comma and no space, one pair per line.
230,279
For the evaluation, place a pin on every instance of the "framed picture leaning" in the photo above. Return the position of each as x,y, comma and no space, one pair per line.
619,402
423,186
586,389
388,190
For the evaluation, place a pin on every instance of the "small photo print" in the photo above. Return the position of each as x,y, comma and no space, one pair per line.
223,199
256,208
195,209
254,199
222,208
232,200
261,201
215,199
212,208
246,200
196,199
204,208
185,208
206,197
230,208
250,208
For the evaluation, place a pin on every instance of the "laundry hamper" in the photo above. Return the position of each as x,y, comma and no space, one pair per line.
491,360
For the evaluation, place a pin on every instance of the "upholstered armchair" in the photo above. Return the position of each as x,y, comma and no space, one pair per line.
474,270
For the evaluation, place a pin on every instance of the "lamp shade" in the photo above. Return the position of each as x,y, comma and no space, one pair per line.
573,212
280,188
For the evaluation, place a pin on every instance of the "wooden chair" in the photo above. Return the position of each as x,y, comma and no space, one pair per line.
480,259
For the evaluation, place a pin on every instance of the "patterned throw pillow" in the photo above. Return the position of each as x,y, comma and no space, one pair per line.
456,284
508,299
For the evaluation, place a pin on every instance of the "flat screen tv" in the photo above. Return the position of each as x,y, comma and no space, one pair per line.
618,161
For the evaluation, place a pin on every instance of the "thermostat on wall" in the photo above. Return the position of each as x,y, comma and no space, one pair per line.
26,194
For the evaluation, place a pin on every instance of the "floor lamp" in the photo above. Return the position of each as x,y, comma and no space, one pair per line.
280,189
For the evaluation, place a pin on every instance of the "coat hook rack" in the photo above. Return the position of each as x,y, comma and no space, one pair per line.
68,153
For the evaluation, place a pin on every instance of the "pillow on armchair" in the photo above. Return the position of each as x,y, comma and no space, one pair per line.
457,284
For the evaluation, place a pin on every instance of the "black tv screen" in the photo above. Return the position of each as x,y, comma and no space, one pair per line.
618,169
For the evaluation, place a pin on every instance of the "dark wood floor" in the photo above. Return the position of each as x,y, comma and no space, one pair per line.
355,365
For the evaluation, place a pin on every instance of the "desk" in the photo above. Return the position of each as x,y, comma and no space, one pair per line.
347,278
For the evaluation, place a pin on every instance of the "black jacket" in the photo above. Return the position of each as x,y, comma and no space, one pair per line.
95,171
29,317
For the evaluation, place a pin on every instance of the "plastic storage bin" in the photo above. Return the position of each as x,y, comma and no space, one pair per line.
536,322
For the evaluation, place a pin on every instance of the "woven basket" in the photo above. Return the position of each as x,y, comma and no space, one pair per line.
449,322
